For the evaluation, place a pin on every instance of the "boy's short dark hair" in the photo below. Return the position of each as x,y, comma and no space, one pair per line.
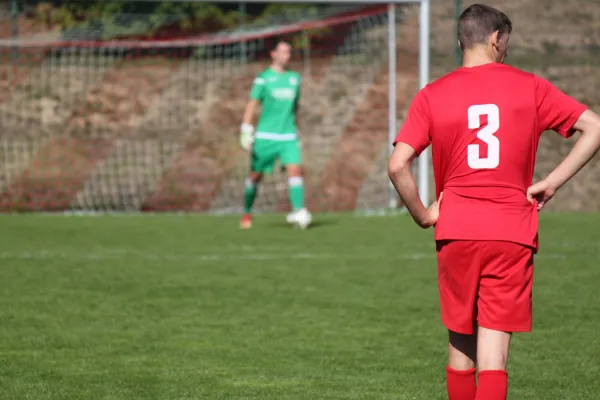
478,22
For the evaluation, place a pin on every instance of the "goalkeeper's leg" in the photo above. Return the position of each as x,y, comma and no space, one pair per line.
296,186
299,216
250,192
262,160
291,157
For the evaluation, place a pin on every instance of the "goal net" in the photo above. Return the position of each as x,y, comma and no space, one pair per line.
127,114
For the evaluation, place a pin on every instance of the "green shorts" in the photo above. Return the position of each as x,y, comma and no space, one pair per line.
266,152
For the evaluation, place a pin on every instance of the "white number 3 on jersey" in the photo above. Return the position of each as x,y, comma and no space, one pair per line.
486,135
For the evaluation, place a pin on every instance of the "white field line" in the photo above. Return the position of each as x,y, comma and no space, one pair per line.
113,255
189,257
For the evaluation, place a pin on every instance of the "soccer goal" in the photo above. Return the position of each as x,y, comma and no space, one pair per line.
138,107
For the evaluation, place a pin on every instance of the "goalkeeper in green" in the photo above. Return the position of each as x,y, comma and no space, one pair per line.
277,91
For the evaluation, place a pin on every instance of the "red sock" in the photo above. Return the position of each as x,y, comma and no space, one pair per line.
461,384
493,385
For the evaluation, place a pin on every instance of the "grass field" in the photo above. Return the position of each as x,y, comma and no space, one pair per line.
189,307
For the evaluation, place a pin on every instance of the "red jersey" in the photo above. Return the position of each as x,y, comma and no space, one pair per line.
484,125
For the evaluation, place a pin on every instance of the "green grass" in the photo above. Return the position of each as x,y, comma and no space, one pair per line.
188,307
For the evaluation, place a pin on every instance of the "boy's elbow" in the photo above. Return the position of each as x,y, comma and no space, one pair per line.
251,105
589,124
397,166
401,159
596,128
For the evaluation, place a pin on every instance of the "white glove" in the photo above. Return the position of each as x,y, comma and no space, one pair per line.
246,136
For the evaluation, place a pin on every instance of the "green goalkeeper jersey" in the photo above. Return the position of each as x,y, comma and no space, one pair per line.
279,94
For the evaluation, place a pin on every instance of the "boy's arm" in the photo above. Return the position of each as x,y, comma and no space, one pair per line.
404,182
412,139
249,113
565,115
247,127
583,151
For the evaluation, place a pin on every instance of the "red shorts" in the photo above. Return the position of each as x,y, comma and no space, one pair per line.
487,283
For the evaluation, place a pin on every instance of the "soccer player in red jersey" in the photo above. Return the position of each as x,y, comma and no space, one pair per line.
484,122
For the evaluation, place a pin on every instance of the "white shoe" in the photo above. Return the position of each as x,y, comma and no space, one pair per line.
300,218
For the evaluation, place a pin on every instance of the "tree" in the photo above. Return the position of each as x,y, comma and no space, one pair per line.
111,19
125,18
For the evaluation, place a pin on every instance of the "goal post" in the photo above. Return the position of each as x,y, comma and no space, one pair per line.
424,64
138,112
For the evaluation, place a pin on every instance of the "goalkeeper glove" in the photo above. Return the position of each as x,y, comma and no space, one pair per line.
246,136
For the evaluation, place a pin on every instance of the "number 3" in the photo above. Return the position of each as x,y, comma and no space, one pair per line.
486,135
